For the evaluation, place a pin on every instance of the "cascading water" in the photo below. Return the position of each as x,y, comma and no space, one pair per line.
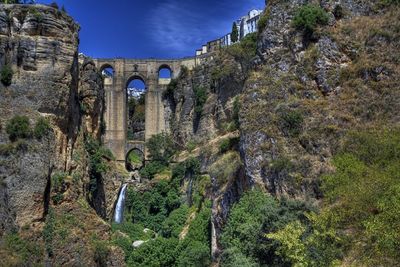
119,208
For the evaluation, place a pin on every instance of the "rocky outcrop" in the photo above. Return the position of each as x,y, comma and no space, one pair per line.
191,123
302,99
40,44
45,180
91,98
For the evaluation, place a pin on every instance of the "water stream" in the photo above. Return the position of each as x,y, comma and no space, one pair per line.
119,208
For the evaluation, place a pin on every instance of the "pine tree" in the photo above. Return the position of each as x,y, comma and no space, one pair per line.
235,33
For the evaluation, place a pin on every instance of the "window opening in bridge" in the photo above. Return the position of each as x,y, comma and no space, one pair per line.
136,90
108,75
164,75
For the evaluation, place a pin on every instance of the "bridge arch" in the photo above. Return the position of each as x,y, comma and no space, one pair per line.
136,88
136,77
165,74
108,73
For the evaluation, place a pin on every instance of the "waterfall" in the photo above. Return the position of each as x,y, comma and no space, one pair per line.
119,208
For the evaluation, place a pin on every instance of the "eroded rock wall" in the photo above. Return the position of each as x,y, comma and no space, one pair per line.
40,45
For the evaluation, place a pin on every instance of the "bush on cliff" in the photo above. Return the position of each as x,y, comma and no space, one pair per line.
6,75
42,128
200,96
18,127
308,17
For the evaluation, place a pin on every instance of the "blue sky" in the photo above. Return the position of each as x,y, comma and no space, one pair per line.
152,28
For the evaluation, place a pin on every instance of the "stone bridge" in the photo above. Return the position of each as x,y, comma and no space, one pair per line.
116,115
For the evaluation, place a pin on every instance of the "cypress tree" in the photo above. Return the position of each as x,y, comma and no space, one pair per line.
235,33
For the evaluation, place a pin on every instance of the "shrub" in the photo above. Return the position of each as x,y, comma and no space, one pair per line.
157,252
97,161
224,145
57,180
236,111
262,23
191,145
135,157
281,164
42,128
244,52
226,167
6,75
26,251
391,2
161,148
48,232
308,17
18,127
234,257
365,193
200,96
197,254
6,149
101,252
151,169
228,144
292,123
255,214
175,222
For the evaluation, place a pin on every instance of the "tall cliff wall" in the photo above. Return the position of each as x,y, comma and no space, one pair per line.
45,179
40,45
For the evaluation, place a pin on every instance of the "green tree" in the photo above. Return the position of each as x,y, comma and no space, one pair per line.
292,248
161,148
158,252
235,33
244,52
200,96
42,128
18,127
197,254
308,17
363,195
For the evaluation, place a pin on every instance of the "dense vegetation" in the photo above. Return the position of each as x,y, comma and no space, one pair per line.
256,214
165,212
361,196
160,148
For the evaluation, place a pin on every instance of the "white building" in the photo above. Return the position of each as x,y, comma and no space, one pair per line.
246,25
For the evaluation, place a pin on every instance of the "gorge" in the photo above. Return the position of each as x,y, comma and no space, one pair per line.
282,149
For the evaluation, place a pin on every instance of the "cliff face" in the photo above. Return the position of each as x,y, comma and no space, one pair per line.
40,45
307,94
302,95
44,179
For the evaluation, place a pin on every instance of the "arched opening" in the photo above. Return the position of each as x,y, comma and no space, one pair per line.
134,159
136,89
164,75
107,71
